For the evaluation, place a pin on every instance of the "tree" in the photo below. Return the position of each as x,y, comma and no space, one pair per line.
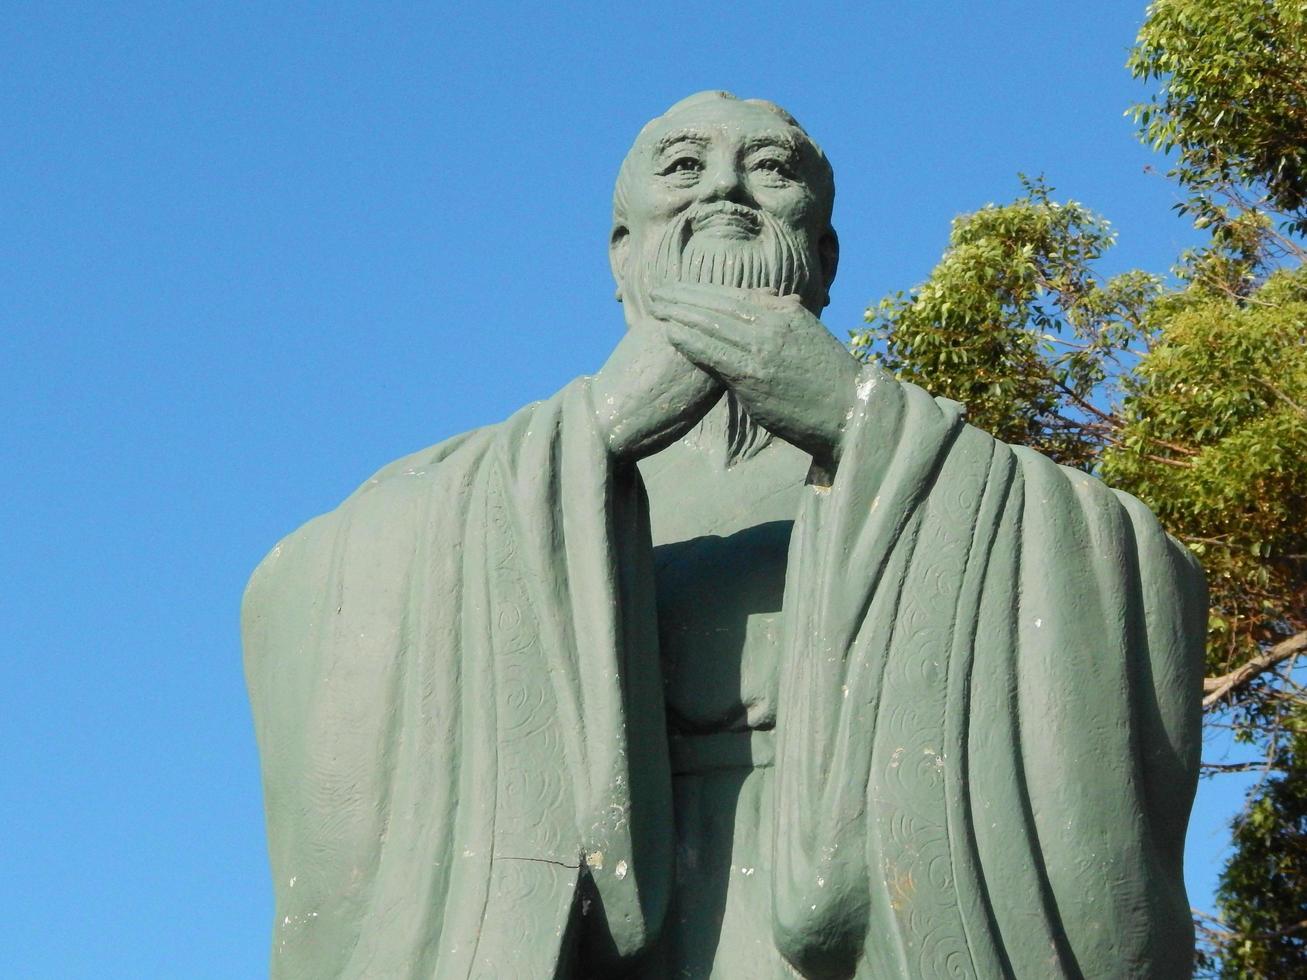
1263,903
1015,323
1231,100
1189,393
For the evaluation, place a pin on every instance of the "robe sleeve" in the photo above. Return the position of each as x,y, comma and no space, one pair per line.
989,713
446,673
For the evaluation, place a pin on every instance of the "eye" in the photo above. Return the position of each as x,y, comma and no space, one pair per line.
773,166
684,165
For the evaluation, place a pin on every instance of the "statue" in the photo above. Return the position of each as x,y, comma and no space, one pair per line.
738,659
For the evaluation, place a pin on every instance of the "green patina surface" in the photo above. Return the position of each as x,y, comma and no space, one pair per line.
738,659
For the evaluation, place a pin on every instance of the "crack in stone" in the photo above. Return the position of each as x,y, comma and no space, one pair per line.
561,864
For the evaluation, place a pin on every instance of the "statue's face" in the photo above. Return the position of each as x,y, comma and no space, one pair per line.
725,192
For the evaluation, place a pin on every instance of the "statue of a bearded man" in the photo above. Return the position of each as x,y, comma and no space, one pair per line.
738,659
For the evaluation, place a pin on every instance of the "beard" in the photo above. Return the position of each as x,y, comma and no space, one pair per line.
775,257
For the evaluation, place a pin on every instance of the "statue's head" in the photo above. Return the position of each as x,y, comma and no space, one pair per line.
728,191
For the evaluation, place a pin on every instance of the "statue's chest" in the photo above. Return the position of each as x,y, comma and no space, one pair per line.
721,542
719,627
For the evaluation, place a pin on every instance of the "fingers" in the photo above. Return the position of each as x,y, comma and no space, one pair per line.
705,351
722,328
746,305
731,316
765,296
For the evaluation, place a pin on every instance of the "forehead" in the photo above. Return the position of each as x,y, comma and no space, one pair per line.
720,120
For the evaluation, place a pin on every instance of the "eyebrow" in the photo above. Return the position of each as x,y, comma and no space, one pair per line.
771,137
777,137
680,136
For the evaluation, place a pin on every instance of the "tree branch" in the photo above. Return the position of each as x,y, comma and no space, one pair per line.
1183,450
1282,396
1112,420
1112,423
1212,768
1216,688
1166,461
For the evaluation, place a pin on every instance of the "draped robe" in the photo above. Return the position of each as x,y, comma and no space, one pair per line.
986,727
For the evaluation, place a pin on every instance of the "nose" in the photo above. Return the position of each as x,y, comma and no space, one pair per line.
725,183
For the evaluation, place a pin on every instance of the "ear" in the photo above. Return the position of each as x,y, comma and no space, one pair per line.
619,249
828,253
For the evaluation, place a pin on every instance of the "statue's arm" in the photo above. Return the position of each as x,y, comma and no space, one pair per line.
648,394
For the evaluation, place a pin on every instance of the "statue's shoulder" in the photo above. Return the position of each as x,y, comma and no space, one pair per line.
382,506
1051,484
401,501
1048,487
422,463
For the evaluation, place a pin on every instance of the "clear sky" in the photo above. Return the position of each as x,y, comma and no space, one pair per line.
251,252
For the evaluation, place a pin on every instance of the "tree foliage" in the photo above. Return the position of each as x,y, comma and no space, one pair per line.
1016,324
1189,392
1231,98
1263,929
1211,438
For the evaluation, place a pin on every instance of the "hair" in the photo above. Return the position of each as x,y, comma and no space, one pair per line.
825,173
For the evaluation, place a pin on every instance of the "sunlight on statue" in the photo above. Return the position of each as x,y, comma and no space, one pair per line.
739,659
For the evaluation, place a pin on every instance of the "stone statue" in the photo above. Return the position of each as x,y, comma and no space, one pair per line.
738,659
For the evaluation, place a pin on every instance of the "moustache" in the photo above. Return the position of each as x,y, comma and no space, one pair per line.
724,213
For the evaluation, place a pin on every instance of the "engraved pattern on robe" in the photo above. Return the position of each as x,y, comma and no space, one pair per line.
986,728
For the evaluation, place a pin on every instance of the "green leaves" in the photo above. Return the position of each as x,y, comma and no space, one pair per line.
1214,385
1015,323
1232,98
1263,905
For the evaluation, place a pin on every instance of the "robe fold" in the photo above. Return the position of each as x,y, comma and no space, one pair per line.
986,733
447,673
988,727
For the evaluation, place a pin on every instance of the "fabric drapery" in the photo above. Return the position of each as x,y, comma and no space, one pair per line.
986,736
447,673
988,730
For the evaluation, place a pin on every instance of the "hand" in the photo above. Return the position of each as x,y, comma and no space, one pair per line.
787,369
648,394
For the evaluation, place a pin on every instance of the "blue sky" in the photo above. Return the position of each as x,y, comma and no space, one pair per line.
249,253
